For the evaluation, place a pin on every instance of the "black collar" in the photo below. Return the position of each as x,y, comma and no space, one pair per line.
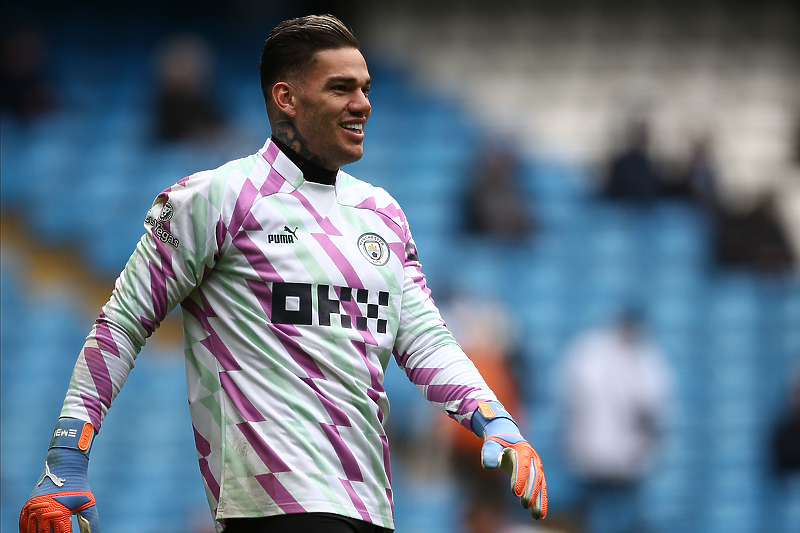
311,171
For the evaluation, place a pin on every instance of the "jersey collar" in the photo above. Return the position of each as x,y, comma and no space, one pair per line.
279,161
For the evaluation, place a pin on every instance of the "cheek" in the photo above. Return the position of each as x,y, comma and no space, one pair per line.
323,123
310,127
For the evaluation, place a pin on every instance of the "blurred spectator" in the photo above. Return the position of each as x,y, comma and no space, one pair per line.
617,391
26,92
186,110
632,175
699,179
754,239
494,205
701,175
487,335
786,437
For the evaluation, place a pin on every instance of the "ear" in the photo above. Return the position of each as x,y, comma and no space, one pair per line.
284,98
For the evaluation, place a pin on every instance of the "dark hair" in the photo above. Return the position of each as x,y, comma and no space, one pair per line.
290,47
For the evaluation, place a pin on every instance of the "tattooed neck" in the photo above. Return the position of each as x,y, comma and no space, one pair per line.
286,132
311,172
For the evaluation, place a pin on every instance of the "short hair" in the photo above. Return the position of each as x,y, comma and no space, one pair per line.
290,47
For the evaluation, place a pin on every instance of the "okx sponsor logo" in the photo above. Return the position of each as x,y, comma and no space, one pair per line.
293,303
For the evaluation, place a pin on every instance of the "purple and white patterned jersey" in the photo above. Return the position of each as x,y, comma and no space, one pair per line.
294,297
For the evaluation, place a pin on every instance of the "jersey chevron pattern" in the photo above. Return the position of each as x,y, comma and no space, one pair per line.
294,297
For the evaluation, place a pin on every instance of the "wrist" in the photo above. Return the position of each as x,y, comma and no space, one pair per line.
67,462
501,426
491,418
73,434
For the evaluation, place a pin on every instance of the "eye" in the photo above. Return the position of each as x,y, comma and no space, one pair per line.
366,91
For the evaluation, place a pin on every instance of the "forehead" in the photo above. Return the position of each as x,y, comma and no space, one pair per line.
338,63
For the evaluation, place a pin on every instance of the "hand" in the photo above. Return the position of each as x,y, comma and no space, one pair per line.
63,488
505,448
512,453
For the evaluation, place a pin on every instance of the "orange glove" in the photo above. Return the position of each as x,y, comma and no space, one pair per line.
505,448
63,488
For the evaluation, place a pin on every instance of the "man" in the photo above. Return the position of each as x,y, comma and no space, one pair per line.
617,386
297,283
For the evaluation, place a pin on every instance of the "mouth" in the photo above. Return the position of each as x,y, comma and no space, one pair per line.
356,129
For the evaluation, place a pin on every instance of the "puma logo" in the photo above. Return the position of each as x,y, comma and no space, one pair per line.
59,482
282,238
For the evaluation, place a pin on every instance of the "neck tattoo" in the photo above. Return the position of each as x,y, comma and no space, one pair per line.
286,132
311,171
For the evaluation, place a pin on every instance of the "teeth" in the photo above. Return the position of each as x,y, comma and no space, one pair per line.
357,127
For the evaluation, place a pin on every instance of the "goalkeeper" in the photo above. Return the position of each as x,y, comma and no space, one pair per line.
297,283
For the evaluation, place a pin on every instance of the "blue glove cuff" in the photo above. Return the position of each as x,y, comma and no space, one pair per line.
73,434
494,414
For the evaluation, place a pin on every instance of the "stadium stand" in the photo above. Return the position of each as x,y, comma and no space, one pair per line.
84,177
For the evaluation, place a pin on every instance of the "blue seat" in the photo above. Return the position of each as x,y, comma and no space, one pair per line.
735,303
552,215
555,181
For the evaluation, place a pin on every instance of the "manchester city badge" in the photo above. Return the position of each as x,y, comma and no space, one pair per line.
374,248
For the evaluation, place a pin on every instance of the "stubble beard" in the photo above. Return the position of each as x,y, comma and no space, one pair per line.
286,131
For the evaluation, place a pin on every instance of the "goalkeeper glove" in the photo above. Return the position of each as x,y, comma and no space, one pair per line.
63,488
504,447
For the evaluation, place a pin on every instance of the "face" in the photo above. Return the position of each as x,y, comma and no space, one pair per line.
332,107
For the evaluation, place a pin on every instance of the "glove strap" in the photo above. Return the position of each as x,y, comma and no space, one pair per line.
73,434
492,412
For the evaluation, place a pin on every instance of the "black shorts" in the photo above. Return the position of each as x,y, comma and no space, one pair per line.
302,523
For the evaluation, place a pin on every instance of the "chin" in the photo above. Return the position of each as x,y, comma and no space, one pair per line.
351,157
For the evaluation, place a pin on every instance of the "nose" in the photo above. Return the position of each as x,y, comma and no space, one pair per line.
359,104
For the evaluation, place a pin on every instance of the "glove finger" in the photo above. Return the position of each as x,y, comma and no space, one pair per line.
41,515
26,524
536,508
527,480
31,525
539,507
23,520
491,453
27,519
508,463
523,477
89,520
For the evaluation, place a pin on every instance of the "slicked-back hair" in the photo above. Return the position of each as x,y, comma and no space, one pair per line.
290,47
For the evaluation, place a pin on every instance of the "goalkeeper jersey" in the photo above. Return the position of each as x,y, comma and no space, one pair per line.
294,297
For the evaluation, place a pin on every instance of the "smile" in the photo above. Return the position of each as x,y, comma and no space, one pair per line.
358,128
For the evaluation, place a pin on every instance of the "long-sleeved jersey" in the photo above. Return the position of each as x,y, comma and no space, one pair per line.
294,297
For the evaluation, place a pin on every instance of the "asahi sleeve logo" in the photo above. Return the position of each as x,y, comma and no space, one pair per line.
374,248
159,231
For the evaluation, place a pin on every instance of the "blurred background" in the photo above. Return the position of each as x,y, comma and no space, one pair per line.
606,200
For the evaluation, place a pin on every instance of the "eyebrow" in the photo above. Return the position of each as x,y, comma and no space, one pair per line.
347,80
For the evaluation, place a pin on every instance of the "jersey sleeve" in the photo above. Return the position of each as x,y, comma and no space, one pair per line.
184,236
426,350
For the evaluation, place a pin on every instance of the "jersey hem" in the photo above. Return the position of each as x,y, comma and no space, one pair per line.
310,507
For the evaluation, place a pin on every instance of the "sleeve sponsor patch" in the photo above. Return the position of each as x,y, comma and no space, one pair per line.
411,251
157,223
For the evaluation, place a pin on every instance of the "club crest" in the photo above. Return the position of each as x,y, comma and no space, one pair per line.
374,248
